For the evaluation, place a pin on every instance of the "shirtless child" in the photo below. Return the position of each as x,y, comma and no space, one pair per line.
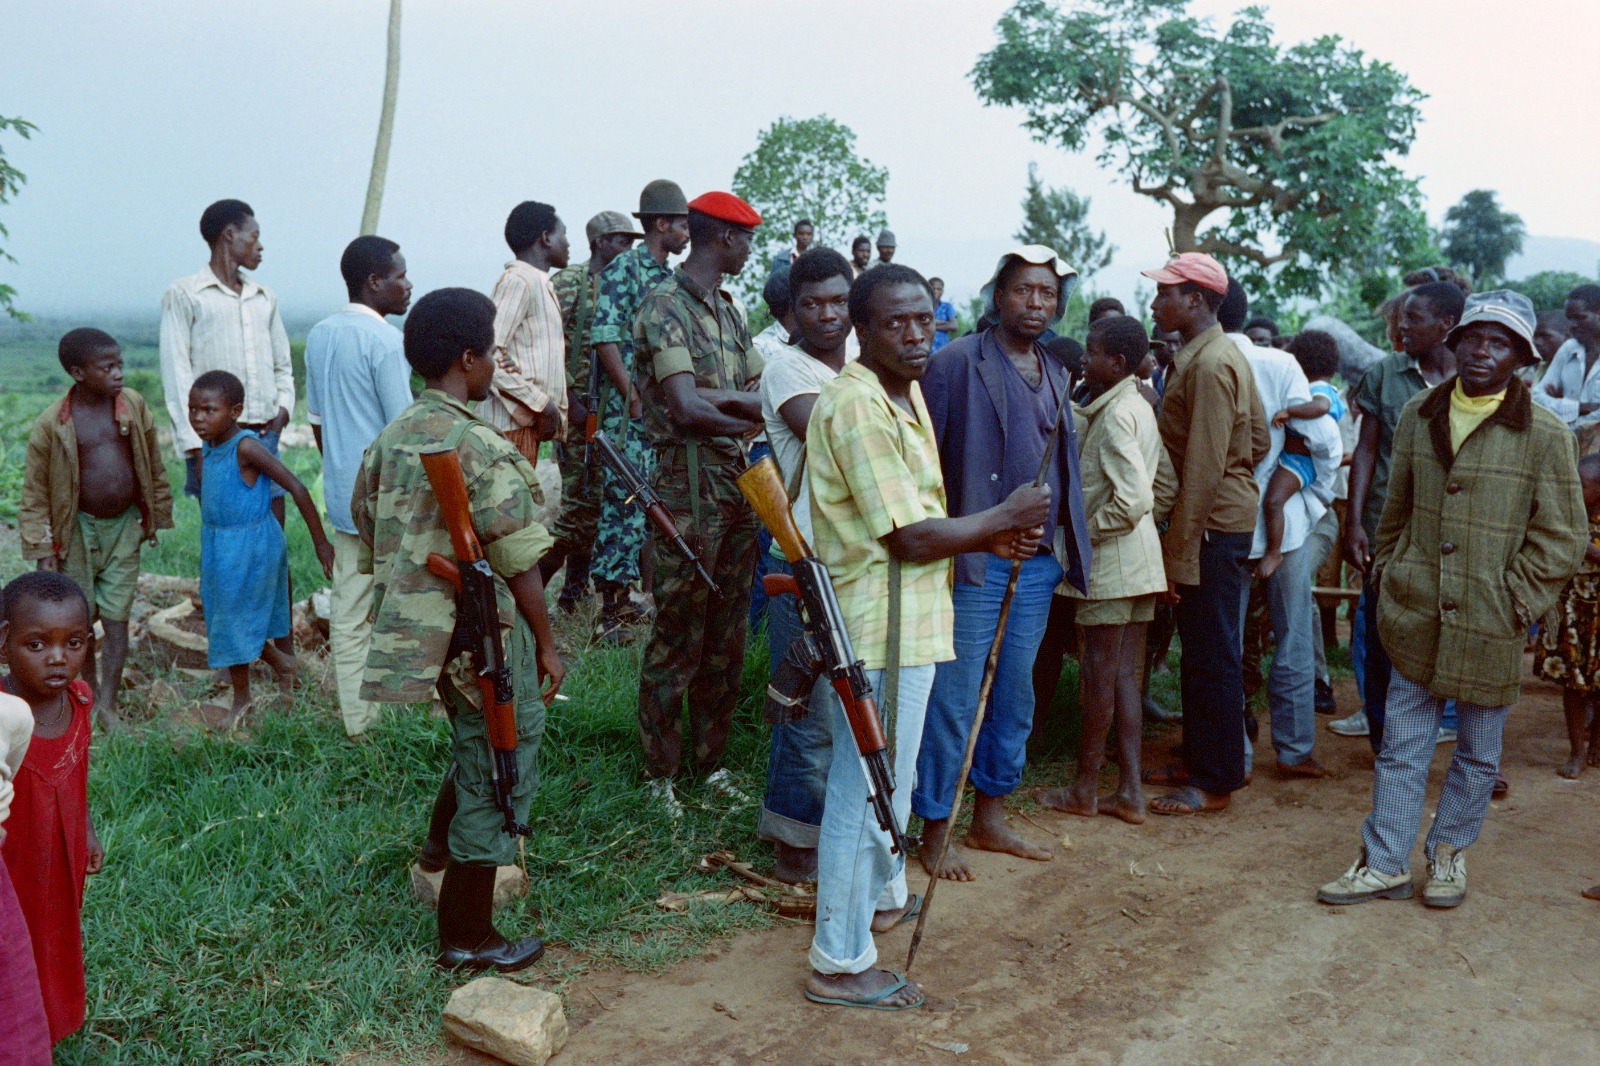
93,491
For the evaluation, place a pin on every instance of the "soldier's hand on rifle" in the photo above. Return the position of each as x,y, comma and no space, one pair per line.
552,671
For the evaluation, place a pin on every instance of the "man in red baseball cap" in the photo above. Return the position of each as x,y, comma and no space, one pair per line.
1215,430
697,371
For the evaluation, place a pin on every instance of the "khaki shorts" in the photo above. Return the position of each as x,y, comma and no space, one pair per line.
1118,612
103,559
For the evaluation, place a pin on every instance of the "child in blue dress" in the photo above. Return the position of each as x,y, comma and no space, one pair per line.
244,559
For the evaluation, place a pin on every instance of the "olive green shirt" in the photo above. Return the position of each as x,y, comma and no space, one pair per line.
1385,389
682,328
414,612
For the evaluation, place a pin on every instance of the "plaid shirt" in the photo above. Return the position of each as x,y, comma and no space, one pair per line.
873,469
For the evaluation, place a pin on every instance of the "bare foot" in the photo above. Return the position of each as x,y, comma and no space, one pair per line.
865,989
283,664
1309,768
1269,564
794,865
1068,801
1573,768
1129,809
1189,801
953,868
990,832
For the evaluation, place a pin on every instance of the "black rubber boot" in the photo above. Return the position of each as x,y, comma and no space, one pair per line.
467,937
436,849
576,585
612,627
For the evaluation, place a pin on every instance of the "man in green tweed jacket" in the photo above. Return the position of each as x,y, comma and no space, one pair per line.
1483,524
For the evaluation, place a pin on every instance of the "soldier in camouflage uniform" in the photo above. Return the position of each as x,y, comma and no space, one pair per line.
697,370
576,288
663,214
449,340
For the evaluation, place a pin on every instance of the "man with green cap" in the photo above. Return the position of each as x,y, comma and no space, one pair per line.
664,216
697,370
577,287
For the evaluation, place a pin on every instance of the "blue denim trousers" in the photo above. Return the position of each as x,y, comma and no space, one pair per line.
1210,619
856,874
1002,740
1400,776
799,753
1291,682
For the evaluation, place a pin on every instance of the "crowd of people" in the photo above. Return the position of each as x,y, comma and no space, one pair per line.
1101,495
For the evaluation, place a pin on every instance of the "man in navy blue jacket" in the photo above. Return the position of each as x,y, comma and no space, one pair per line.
993,396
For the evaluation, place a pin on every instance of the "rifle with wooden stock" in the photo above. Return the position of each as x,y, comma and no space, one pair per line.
477,626
825,646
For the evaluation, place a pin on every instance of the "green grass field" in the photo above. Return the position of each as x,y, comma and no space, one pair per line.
255,905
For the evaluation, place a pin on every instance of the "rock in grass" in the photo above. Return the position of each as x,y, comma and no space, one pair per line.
510,882
521,1025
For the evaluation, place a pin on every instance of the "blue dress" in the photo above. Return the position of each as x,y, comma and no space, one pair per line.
244,560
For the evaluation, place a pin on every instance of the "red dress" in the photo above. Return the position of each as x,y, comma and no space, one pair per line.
46,851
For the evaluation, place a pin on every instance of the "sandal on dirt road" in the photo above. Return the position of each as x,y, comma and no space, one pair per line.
875,1000
1186,801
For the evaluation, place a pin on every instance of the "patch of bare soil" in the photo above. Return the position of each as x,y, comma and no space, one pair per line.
1191,940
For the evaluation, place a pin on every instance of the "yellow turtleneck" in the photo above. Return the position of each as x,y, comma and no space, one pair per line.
1468,412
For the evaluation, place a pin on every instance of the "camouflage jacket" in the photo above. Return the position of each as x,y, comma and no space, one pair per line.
414,612
683,328
624,283
576,290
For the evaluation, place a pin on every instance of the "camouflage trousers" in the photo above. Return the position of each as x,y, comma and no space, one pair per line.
477,832
621,532
576,528
696,645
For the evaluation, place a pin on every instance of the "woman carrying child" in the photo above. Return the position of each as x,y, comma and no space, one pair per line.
1568,651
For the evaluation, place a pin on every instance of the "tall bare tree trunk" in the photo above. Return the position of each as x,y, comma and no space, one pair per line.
380,152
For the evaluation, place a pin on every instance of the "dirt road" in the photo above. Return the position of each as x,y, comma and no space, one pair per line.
1190,941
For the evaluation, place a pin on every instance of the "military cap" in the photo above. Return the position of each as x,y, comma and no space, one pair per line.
885,238
608,222
726,207
662,197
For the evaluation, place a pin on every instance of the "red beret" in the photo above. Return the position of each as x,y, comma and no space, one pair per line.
726,207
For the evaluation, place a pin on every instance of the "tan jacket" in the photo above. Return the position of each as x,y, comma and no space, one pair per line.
1474,546
48,509
1216,434
1128,486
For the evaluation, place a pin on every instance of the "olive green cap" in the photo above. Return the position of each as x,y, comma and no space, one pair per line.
662,197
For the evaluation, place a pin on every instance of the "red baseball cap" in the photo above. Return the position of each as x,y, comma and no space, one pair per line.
726,207
1197,267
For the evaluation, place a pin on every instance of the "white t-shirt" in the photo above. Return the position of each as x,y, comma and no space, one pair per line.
790,373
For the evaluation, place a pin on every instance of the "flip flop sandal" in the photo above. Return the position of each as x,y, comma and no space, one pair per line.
1191,801
874,1001
913,909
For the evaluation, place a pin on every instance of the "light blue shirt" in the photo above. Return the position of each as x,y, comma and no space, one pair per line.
357,381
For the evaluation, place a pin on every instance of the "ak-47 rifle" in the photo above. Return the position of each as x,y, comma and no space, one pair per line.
591,421
640,492
826,645
477,626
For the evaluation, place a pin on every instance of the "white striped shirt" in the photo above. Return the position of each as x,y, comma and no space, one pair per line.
532,371
207,326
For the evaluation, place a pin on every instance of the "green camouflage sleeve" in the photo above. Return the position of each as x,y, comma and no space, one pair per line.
505,496
610,310
661,338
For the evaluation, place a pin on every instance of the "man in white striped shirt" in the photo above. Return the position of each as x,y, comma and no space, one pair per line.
528,400
219,319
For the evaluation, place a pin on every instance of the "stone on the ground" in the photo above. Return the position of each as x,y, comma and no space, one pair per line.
510,882
521,1025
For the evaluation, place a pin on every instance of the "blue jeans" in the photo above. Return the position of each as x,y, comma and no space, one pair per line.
1400,776
1002,741
798,758
758,595
191,468
1291,682
856,874
1375,683
1210,619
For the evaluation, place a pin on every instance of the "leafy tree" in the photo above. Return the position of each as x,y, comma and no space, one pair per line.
1268,156
11,181
1548,288
807,168
1480,236
1058,219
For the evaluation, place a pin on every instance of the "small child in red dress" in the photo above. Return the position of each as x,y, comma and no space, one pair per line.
50,843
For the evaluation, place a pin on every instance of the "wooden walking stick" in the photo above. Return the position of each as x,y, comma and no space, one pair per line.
984,687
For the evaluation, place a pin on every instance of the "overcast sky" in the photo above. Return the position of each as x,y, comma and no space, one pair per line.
148,111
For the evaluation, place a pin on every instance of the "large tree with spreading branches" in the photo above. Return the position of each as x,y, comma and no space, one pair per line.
11,180
1278,159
